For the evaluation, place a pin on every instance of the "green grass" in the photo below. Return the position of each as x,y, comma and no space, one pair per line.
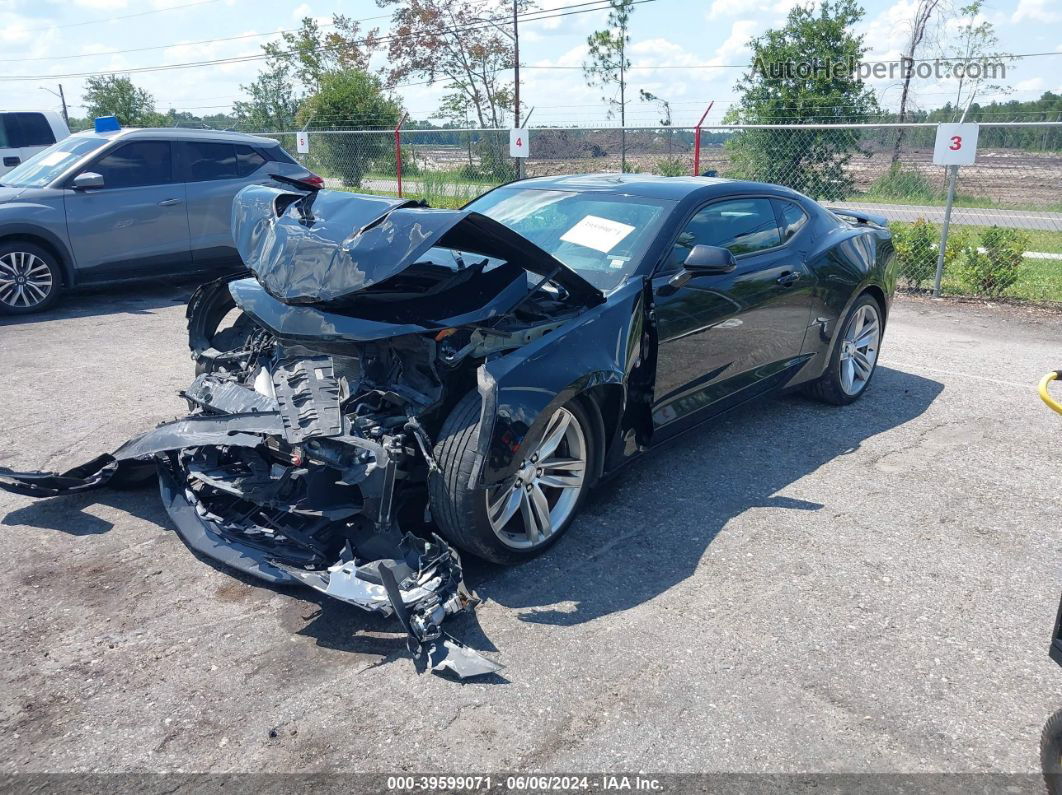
1038,279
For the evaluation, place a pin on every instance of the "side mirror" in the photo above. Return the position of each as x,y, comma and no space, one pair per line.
86,180
706,260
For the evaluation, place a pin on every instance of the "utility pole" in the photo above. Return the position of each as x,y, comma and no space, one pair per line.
516,81
62,98
623,98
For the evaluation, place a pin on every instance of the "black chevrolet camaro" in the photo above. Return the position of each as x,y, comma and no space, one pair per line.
388,380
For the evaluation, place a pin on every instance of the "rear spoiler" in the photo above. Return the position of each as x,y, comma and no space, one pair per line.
860,216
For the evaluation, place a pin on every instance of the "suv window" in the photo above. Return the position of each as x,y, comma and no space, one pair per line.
248,160
741,225
793,219
27,129
206,160
136,164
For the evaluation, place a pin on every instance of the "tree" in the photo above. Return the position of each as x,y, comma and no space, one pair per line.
665,107
976,42
350,94
924,12
114,95
804,71
309,54
271,104
607,64
295,67
461,42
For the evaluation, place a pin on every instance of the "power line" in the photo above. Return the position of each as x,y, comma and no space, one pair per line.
181,43
531,16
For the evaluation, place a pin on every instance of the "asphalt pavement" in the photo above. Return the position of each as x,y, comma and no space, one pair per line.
799,588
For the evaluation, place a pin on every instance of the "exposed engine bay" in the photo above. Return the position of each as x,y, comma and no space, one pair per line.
308,440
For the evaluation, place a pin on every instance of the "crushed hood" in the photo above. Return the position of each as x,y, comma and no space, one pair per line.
324,246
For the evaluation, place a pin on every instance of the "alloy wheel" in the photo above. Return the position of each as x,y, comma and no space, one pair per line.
859,349
530,507
25,280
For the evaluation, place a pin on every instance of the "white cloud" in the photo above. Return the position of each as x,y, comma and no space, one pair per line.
1031,84
1037,11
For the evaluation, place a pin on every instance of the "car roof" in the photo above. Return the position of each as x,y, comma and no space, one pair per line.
654,187
180,134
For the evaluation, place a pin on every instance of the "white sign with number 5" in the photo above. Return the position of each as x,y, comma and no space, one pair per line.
302,143
518,143
956,145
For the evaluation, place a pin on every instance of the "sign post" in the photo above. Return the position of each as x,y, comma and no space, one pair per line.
956,145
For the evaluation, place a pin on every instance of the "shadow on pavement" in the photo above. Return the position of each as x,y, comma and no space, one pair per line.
112,299
648,529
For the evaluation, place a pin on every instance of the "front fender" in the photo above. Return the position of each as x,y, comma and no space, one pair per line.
606,344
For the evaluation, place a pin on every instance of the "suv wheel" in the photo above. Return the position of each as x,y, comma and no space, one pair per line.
29,278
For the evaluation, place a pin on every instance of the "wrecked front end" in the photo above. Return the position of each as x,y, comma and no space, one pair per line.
308,443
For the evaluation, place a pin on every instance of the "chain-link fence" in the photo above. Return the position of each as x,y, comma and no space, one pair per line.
1005,236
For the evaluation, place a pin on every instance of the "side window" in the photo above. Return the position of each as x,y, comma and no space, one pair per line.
793,219
248,160
5,136
136,164
741,225
205,161
33,130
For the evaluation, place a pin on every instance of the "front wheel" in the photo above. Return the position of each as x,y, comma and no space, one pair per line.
29,278
1051,753
855,356
519,518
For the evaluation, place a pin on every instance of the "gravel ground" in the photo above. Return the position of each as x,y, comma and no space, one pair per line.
797,589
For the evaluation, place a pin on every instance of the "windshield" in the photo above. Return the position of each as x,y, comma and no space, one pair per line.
602,236
45,166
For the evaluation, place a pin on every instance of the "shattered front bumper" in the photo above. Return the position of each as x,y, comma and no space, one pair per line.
243,522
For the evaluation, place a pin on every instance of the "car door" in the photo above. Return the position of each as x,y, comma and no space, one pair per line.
215,172
724,338
136,224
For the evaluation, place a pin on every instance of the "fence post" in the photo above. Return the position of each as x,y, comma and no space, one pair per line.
953,173
697,141
398,152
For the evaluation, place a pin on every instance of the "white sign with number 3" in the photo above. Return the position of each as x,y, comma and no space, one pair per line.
518,143
956,145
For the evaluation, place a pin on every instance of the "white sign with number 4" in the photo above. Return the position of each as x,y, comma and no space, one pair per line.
518,143
956,145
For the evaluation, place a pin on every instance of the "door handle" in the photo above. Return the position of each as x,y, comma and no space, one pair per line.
169,202
788,278
12,161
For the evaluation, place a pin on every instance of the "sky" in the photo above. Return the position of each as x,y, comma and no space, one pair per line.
685,52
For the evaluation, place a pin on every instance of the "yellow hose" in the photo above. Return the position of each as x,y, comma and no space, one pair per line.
1045,395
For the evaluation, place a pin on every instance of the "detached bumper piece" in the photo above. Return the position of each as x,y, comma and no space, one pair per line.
280,489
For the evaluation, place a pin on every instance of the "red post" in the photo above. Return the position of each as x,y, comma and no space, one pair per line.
697,142
398,152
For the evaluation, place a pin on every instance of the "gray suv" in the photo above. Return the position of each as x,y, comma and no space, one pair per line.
129,204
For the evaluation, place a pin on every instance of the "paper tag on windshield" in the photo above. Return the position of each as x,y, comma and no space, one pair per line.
597,233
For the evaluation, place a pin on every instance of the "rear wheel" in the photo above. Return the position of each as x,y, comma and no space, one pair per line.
529,511
855,356
1051,753
29,278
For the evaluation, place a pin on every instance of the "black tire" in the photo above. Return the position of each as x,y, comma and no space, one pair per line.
828,386
49,261
460,511
1051,753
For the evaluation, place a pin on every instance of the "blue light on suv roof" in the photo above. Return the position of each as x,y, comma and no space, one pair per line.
108,124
